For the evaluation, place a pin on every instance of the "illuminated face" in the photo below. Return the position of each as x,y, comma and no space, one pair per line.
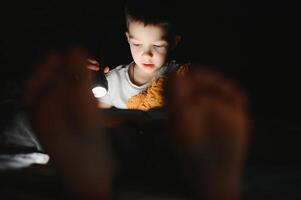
148,45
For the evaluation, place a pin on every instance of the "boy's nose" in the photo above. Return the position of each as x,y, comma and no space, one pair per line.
147,53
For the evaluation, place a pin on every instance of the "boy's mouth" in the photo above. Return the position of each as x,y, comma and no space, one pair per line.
148,65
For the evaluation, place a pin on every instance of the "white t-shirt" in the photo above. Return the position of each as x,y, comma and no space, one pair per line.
120,87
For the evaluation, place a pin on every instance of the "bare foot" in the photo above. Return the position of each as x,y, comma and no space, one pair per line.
208,114
64,116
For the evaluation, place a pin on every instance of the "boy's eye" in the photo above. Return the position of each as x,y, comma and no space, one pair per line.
137,45
158,46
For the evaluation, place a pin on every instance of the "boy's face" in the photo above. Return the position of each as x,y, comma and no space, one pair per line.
148,44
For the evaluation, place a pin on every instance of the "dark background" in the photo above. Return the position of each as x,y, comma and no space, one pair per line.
255,42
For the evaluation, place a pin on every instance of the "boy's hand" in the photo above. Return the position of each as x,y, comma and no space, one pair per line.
211,125
95,66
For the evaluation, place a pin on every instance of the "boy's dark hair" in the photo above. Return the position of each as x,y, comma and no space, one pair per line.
154,12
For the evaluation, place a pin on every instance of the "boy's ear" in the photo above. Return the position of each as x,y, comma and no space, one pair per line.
127,36
176,41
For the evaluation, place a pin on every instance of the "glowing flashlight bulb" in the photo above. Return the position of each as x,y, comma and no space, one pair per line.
99,91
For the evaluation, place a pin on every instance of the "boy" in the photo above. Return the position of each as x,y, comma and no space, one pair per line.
151,36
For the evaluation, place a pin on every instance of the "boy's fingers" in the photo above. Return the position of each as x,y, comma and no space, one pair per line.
93,67
106,69
93,61
92,64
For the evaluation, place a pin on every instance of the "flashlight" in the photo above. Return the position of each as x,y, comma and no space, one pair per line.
100,85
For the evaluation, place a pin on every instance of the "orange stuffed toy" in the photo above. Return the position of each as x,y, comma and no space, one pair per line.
153,96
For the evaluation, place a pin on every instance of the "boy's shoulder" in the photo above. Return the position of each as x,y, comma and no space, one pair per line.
120,69
178,68
171,65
